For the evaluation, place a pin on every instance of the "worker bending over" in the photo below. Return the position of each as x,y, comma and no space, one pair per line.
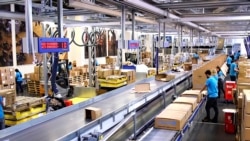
212,95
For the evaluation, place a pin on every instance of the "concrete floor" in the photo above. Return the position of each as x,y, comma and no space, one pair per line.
212,131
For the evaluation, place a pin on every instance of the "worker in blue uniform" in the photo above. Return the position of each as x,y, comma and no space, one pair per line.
2,123
220,81
70,66
214,74
237,55
19,81
212,95
234,70
196,56
229,62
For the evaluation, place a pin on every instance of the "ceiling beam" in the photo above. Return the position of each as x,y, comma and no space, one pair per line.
220,9
203,4
212,19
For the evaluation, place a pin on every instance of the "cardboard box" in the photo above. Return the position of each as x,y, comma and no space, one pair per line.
247,121
187,66
187,100
116,72
36,69
246,134
247,101
93,113
171,120
193,93
143,87
164,77
194,61
104,73
180,107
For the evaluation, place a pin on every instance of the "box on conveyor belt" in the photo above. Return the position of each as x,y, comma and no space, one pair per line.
180,107
246,134
164,77
143,87
247,120
194,61
93,113
193,93
247,101
187,66
171,120
187,100
104,73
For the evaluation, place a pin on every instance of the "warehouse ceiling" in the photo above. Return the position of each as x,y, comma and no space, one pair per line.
218,17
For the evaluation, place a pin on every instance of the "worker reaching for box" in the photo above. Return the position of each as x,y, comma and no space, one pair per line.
212,95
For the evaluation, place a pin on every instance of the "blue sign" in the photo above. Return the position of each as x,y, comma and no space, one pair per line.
133,44
47,45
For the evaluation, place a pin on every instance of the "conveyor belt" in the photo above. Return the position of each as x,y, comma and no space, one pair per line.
170,135
63,125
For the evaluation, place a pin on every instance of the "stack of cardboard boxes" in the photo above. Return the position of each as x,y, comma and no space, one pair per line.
7,78
111,61
130,74
175,115
37,75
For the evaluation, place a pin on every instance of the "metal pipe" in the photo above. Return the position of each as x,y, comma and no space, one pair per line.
192,40
45,69
29,27
202,4
133,25
157,49
122,34
158,11
164,34
13,36
181,45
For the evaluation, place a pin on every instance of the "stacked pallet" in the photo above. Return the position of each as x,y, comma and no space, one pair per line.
33,87
79,75
9,96
7,78
23,110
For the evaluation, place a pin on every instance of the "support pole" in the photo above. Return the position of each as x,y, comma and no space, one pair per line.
181,46
179,38
164,36
13,36
122,36
29,27
133,25
192,38
199,40
45,69
157,49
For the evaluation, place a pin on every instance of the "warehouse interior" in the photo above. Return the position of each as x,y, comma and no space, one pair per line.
113,70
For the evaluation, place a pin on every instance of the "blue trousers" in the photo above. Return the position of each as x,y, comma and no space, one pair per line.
2,124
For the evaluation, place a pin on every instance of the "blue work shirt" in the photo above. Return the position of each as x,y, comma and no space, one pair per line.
212,87
216,77
1,108
221,75
229,60
232,71
70,67
196,56
19,77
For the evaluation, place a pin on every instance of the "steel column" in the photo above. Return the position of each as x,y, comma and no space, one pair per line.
192,40
29,27
181,45
133,24
199,40
13,36
157,49
123,16
45,69
164,36
179,39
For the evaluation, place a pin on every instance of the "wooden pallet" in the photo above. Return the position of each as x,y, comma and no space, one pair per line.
24,103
